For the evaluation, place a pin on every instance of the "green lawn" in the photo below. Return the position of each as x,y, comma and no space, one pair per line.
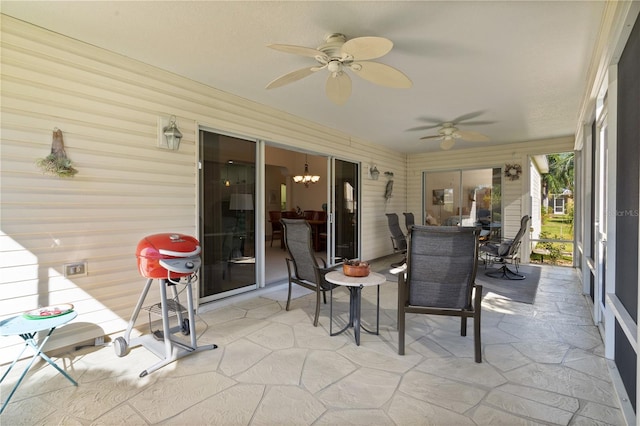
557,227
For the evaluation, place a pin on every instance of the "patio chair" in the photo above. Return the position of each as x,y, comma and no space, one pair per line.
302,265
398,239
409,221
505,253
440,278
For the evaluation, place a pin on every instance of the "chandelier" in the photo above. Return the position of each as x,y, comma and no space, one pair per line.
307,178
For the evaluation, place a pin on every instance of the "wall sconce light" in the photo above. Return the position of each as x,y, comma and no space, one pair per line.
170,136
389,175
374,173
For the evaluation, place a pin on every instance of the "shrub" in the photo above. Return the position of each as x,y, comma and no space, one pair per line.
555,249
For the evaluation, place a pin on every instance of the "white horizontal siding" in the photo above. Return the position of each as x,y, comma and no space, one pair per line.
375,231
107,107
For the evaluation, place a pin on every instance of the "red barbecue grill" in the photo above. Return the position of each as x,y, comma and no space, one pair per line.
173,259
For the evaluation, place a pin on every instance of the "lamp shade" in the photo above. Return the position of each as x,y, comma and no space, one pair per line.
307,178
241,202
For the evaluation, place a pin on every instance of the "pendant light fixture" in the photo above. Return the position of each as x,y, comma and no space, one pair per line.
307,178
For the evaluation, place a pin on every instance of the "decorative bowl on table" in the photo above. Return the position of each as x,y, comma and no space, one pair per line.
356,268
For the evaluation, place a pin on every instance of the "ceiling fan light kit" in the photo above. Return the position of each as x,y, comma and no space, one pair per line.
448,131
337,55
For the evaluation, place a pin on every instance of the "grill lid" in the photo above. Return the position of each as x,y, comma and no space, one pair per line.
168,255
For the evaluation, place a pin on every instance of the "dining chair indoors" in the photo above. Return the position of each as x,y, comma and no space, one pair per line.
440,279
302,264
276,226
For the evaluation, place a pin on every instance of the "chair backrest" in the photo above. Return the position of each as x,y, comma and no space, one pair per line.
484,217
320,215
517,240
441,266
409,220
274,218
398,237
297,236
289,214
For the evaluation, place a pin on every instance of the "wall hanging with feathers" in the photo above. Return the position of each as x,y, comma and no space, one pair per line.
388,191
57,163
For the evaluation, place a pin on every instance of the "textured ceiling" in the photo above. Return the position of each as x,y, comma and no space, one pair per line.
519,64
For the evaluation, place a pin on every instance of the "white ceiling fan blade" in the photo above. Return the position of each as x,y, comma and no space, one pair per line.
431,137
381,74
472,136
291,77
433,126
338,88
363,48
296,50
477,123
447,144
465,117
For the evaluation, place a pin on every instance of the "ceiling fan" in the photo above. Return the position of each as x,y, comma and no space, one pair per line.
337,54
448,131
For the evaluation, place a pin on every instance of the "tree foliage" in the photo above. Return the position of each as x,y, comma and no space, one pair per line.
561,173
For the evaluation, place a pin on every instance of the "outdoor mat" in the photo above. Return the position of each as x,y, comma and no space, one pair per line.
383,266
523,291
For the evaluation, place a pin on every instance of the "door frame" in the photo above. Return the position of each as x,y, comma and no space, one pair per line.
332,258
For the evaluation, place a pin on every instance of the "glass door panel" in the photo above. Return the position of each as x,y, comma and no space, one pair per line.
442,198
227,215
345,196
465,198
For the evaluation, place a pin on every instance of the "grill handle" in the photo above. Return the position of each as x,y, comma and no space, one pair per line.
180,253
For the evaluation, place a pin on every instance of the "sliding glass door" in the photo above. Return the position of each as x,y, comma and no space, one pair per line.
344,208
227,220
464,198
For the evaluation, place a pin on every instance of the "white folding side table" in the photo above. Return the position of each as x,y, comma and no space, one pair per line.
355,286
28,329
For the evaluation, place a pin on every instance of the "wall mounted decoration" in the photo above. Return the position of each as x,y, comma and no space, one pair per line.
437,199
170,136
374,173
512,171
388,191
57,163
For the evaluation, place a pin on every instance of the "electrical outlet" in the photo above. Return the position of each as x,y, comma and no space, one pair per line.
75,269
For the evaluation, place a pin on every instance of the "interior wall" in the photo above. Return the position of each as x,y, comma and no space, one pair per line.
108,107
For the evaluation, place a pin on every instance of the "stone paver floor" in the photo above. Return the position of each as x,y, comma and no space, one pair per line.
542,364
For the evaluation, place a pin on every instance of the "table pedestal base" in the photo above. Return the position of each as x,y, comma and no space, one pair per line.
355,305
